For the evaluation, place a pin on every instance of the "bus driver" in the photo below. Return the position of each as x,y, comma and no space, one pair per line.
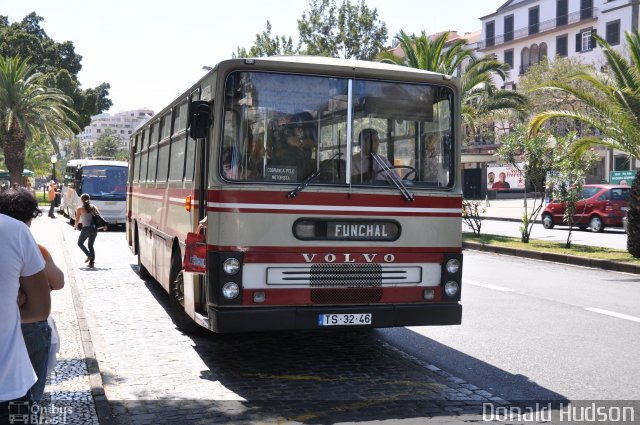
364,167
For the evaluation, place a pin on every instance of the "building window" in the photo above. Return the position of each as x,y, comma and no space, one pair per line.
508,57
621,163
535,54
562,46
562,12
508,28
534,20
490,33
584,40
586,9
543,51
613,32
524,60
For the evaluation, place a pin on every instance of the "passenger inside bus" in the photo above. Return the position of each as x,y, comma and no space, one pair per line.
365,168
256,155
296,145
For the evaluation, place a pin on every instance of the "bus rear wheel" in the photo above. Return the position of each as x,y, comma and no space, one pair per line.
176,300
142,270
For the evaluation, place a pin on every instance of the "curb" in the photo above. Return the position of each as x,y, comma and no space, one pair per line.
100,401
515,220
556,258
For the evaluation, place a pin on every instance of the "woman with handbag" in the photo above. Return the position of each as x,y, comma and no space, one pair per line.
88,230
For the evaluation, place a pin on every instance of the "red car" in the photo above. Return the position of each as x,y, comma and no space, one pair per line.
602,205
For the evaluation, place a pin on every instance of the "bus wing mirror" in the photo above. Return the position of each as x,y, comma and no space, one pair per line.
199,119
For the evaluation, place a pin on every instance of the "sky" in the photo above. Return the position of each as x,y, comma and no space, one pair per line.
151,51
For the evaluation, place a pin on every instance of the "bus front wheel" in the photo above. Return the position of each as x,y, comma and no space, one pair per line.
176,300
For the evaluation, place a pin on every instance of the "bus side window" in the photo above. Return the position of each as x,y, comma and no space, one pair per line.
176,165
190,160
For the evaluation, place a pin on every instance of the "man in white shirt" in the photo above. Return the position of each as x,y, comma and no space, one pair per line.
364,167
22,267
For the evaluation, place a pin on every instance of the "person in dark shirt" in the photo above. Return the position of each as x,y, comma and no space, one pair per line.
299,138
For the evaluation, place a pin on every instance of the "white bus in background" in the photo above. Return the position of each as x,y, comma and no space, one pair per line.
104,180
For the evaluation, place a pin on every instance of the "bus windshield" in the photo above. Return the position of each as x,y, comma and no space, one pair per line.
103,182
284,128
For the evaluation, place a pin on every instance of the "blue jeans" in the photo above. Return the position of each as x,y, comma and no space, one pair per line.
90,233
37,337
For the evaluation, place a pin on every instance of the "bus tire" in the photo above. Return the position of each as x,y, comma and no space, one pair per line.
142,270
183,322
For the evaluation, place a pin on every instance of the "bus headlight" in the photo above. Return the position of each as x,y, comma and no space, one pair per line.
450,288
453,266
231,266
230,290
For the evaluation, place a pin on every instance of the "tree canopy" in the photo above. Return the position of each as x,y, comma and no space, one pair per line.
29,110
349,31
57,61
267,45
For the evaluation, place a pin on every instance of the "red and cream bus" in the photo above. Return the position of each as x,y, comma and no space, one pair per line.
331,189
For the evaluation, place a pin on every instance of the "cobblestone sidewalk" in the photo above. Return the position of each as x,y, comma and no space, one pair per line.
68,393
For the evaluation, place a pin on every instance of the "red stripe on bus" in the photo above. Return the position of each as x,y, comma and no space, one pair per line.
302,296
308,198
338,199
325,212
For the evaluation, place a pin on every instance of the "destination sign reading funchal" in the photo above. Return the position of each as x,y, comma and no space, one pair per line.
330,191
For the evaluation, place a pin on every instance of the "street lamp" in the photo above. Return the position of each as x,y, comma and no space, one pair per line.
54,159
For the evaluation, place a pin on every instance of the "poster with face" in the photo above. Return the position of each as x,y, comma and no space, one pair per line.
504,176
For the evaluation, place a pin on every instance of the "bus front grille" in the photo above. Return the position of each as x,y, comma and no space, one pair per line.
345,275
345,283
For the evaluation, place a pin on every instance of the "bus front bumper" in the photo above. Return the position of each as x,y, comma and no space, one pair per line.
257,319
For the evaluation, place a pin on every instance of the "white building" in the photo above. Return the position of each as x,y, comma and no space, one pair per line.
119,125
522,32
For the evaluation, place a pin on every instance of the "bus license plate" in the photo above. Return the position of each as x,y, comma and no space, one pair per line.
357,319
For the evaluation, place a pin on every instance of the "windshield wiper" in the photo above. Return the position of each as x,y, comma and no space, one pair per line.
393,178
311,177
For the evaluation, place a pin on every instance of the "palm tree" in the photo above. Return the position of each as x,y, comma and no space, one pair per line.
28,110
431,55
480,95
612,106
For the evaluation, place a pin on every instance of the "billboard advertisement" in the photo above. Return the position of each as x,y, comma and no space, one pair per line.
504,177
624,178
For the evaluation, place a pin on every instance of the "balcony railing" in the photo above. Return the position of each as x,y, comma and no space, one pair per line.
550,24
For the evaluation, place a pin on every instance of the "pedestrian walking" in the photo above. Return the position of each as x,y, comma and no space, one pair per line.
52,192
88,231
21,205
22,267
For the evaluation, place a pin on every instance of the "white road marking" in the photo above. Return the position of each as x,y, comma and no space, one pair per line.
613,314
485,285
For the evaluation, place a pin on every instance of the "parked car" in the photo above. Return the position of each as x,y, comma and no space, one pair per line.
601,205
